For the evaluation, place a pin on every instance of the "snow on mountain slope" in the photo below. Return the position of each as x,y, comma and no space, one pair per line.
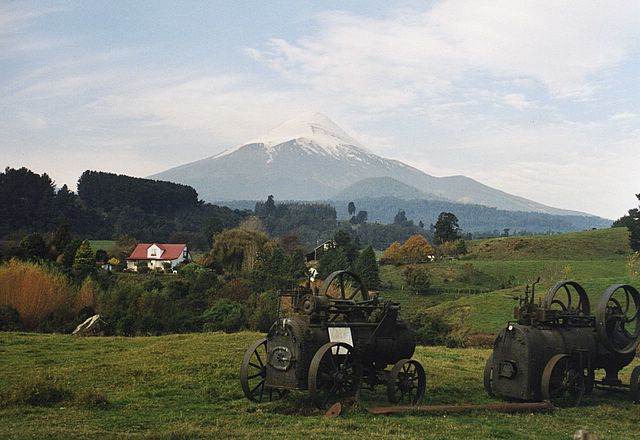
313,132
311,158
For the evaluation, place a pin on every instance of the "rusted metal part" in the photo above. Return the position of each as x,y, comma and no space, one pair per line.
498,407
334,410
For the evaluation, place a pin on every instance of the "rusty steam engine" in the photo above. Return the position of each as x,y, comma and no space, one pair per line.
331,342
553,349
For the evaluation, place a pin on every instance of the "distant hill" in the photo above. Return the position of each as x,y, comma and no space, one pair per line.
586,245
473,218
383,187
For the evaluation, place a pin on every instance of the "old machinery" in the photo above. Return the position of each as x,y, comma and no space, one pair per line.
553,349
332,342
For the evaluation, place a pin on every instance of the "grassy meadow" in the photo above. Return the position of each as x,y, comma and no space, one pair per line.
187,386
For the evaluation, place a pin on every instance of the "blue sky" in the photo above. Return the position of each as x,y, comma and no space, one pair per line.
539,99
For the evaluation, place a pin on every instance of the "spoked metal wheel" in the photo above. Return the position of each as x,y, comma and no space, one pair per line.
253,374
618,318
568,296
334,374
563,384
344,285
406,382
634,386
488,376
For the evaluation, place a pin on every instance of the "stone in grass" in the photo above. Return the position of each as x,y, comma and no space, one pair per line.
93,326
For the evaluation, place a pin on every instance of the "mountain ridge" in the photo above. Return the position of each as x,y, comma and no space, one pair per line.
311,158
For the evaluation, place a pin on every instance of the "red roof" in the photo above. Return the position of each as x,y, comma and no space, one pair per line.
171,251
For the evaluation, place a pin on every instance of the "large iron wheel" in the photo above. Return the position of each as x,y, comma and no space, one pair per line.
344,285
488,376
253,374
635,384
406,382
618,318
334,374
568,296
563,384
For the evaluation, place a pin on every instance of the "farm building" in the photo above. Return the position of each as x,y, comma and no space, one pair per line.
317,252
156,255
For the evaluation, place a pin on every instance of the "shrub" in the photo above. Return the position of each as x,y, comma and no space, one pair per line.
265,311
418,278
430,329
143,269
225,315
236,289
35,291
9,319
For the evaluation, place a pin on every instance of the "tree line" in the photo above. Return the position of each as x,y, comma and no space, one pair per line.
108,206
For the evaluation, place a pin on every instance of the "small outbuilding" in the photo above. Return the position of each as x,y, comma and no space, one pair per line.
317,252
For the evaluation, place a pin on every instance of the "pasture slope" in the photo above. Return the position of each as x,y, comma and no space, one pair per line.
186,386
500,268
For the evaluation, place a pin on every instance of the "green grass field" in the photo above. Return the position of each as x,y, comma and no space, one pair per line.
186,387
105,245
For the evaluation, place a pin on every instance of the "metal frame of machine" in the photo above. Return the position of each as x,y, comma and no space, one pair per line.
554,348
332,342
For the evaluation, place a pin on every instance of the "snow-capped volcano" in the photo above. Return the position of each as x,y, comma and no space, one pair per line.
312,132
311,158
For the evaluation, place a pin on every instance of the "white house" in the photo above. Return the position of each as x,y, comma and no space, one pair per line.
156,254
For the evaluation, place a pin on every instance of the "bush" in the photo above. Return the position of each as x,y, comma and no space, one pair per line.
265,311
430,329
225,315
9,319
35,291
143,269
236,289
418,278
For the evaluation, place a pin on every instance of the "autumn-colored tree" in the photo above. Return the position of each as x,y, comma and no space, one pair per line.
391,254
416,249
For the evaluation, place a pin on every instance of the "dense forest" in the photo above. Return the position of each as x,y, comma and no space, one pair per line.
108,206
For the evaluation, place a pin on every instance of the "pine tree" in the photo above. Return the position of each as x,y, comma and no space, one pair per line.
333,260
367,268
351,207
84,260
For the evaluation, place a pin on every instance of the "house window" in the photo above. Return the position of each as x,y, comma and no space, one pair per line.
184,253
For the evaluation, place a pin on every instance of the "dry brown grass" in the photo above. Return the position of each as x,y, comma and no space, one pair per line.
35,291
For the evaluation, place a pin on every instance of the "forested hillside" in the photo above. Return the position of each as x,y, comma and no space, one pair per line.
108,206
473,218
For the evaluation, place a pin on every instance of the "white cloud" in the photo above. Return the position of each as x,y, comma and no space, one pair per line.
623,116
516,100
389,63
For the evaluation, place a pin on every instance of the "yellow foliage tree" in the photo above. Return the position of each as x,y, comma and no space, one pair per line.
392,253
416,249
